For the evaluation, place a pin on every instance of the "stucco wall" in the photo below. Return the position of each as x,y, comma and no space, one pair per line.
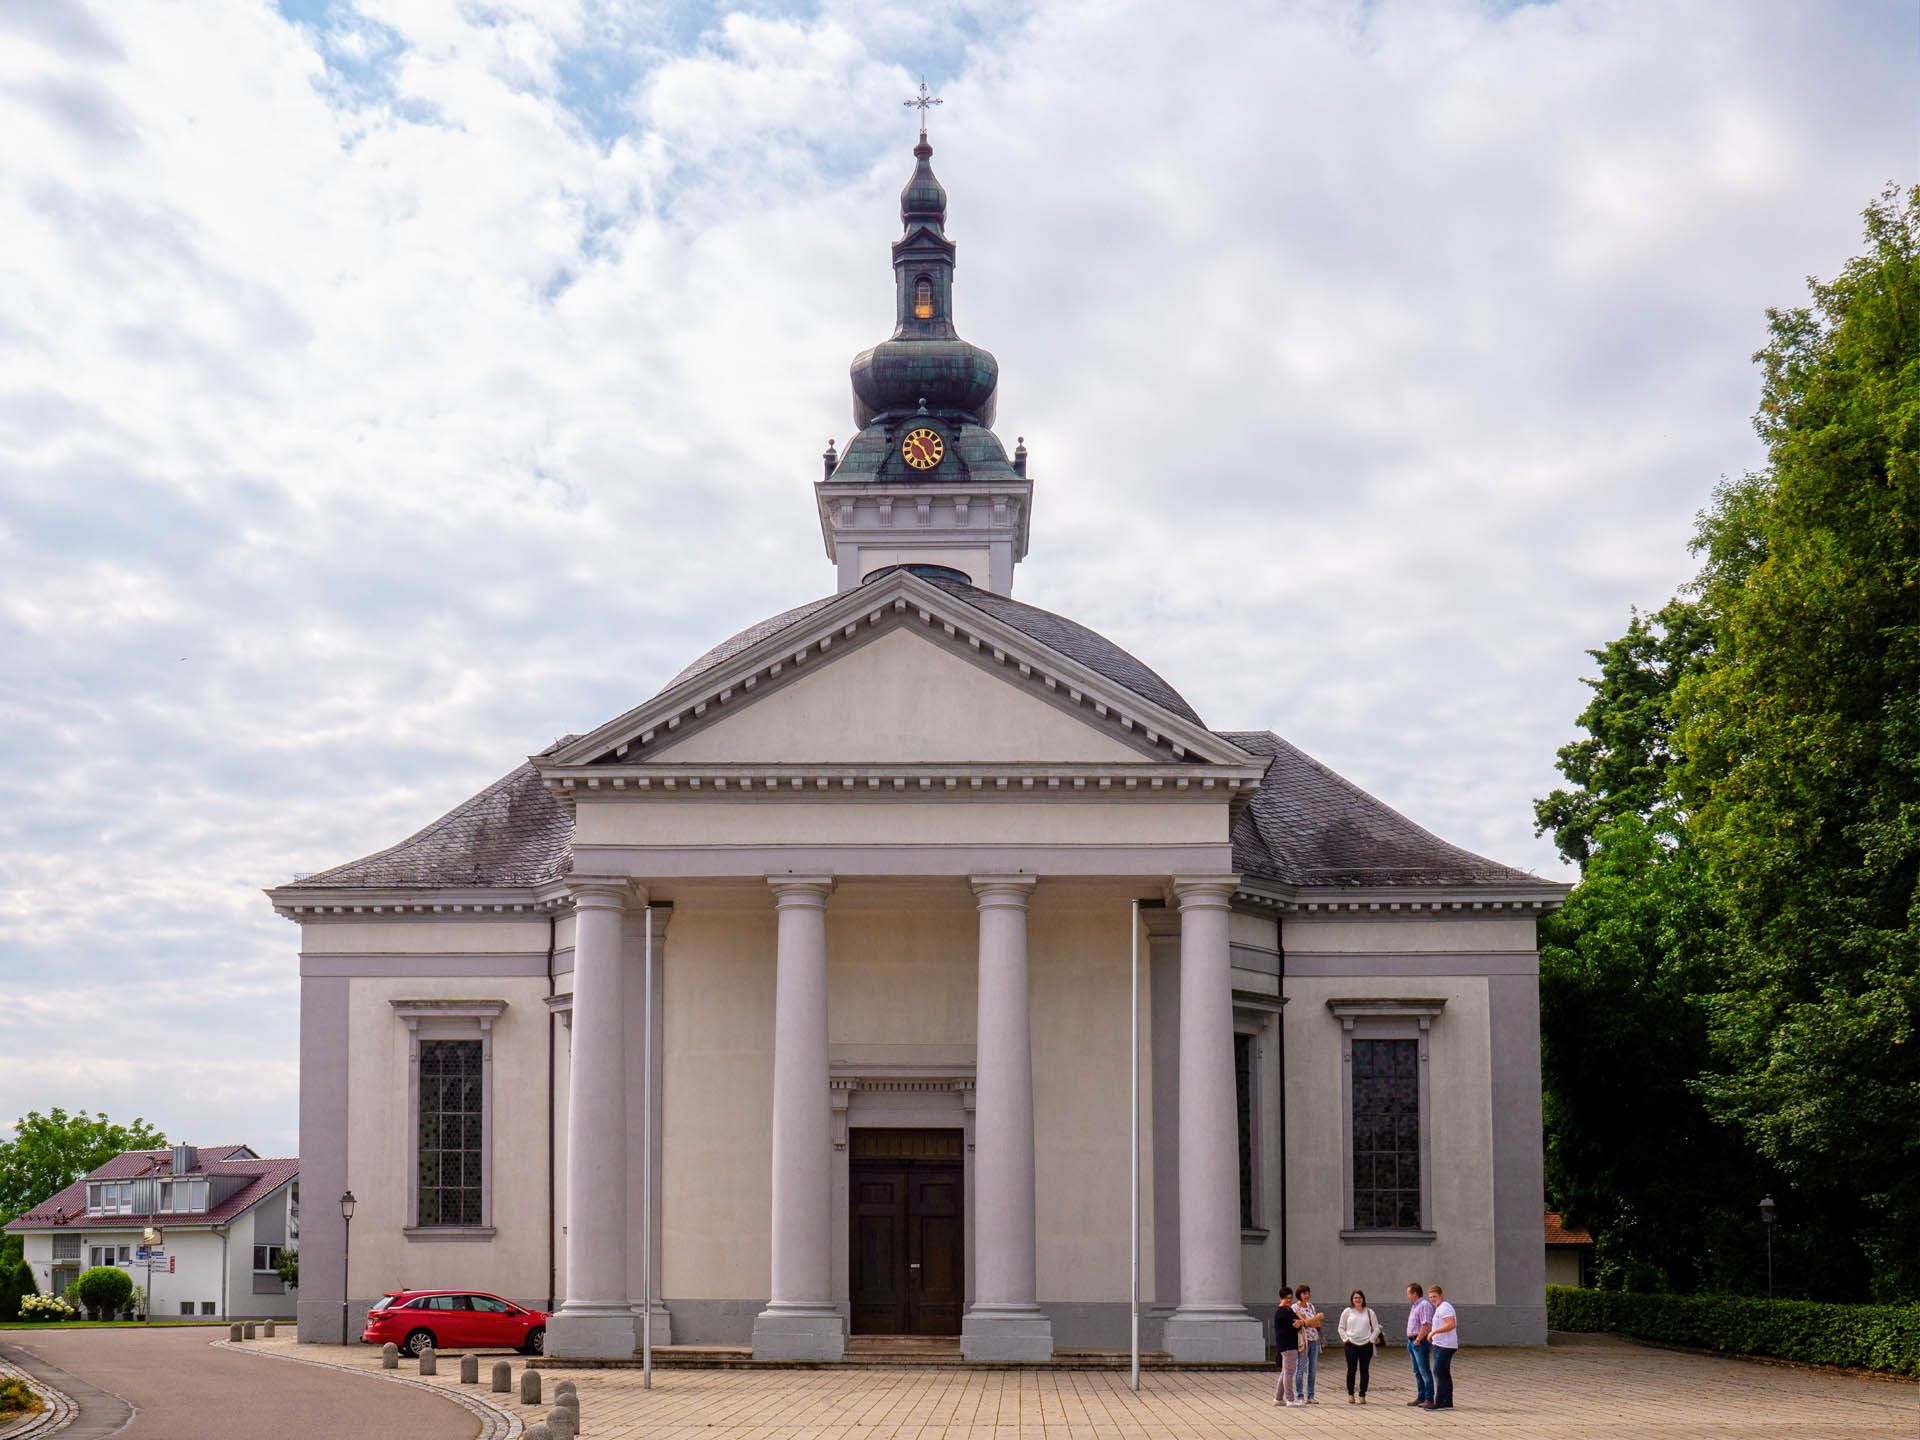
898,698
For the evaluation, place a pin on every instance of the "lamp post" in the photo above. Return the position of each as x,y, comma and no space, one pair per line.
1768,1215
346,1251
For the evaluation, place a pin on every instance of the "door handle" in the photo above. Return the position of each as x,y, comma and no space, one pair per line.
913,1265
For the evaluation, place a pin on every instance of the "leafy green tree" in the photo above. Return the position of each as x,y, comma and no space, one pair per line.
103,1290
1801,749
49,1152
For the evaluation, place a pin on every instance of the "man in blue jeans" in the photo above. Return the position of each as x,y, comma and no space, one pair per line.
1420,1345
1310,1322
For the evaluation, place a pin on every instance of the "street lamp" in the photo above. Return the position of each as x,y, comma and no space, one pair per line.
1768,1214
346,1251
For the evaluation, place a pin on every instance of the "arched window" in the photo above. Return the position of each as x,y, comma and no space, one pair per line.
923,299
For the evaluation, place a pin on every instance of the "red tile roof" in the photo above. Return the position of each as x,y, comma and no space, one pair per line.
1561,1233
68,1208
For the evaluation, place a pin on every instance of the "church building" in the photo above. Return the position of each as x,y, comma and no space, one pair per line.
794,1005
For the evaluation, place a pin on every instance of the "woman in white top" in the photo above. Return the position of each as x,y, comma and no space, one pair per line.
1359,1332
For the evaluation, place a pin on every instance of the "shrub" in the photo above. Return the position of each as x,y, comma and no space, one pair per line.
28,1285
15,1396
45,1307
289,1268
104,1290
1867,1337
9,1292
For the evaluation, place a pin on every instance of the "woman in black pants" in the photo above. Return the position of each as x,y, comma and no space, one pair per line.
1359,1332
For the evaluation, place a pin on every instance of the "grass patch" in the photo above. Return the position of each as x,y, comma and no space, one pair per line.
106,1324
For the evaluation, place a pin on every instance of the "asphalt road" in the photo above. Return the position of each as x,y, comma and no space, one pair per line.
172,1383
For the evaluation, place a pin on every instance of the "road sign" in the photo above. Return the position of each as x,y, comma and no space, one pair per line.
155,1253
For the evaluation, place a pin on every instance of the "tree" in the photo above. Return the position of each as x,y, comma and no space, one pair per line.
104,1291
289,1268
49,1152
1800,749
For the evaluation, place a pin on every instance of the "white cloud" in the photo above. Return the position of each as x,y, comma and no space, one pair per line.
382,395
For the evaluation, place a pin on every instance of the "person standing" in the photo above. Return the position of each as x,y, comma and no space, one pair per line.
1420,1345
1286,1345
1446,1344
1359,1330
1310,1322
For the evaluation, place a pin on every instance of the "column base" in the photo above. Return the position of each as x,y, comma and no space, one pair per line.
1006,1332
662,1325
799,1331
591,1332
1214,1332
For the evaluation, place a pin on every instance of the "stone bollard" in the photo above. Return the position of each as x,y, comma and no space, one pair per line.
389,1356
502,1378
267,1329
246,1331
233,1333
538,1431
563,1422
428,1364
529,1387
564,1387
469,1369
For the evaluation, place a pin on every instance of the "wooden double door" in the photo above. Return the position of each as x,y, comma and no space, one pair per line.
907,1210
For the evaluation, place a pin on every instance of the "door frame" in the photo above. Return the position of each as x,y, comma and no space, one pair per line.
880,1096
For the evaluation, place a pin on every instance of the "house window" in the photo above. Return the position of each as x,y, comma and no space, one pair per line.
186,1307
451,1114
1244,1081
1388,1182
1386,1135
923,299
266,1259
206,1307
66,1247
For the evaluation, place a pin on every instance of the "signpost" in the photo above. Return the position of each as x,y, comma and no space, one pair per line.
152,1249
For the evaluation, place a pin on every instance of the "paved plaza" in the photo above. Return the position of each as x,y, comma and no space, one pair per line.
1579,1387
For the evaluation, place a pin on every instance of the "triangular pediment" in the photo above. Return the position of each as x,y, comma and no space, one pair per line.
897,672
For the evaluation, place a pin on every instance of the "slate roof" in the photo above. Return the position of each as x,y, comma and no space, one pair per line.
1056,632
1307,826
512,834
67,1209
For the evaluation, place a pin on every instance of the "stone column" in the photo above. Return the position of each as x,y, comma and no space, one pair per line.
1162,924
801,1322
596,1320
643,1093
1213,1322
1005,1322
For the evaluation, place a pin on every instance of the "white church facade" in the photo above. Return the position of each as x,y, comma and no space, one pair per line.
884,851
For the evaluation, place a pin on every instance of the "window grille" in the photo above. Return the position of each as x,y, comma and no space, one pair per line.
1386,1134
450,1132
1243,1080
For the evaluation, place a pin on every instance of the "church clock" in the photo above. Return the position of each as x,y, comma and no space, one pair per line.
922,448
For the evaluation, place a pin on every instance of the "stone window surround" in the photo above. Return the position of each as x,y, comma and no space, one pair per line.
1255,1015
1385,1018
449,1020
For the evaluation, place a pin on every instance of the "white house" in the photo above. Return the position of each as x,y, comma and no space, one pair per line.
885,849
225,1216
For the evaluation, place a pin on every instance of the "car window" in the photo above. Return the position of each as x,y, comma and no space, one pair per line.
490,1305
383,1302
447,1302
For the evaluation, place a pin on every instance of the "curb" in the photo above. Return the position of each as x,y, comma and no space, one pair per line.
495,1424
60,1409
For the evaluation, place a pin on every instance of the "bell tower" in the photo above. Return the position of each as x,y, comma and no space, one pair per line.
925,482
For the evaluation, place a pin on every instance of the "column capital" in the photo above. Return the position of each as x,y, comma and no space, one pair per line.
1003,890
800,892
603,892
1204,892
1161,922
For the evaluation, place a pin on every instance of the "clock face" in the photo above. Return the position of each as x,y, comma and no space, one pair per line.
922,448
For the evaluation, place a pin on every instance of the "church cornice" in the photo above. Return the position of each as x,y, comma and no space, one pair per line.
898,599
1408,902
295,902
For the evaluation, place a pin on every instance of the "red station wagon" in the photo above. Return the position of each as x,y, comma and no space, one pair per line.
454,1320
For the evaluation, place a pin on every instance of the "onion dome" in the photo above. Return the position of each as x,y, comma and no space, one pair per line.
925,363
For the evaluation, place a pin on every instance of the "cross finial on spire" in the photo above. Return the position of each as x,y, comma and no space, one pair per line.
923,102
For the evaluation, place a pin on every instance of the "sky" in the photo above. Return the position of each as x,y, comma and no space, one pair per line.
388,387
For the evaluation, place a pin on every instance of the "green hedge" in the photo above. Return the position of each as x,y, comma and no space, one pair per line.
1867,1337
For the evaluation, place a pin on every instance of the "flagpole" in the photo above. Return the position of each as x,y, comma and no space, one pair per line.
646,1168
1133,1158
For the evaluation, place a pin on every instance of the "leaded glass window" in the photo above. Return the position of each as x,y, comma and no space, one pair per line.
1243,1081
923,299
1386,1134
451,1097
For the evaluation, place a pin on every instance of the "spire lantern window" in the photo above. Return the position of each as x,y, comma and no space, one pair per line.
923,299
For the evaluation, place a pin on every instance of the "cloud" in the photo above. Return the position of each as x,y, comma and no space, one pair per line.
386,389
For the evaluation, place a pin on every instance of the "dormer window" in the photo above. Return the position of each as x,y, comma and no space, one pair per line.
923,299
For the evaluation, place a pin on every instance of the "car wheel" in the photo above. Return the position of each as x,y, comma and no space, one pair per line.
536,1341
416,1341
